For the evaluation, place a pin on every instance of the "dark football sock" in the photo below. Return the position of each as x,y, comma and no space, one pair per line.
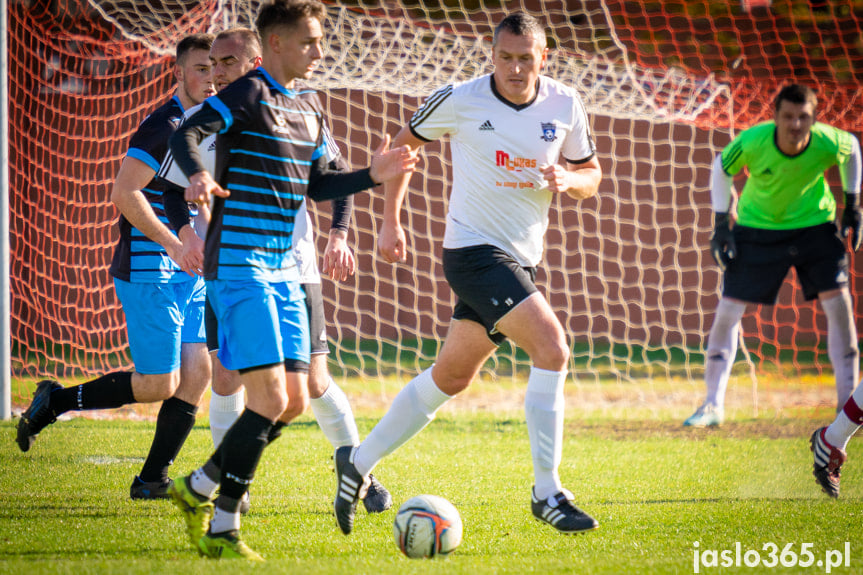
106,392
241,451
276,431
175,422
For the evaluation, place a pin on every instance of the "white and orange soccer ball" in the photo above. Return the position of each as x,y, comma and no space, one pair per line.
427,526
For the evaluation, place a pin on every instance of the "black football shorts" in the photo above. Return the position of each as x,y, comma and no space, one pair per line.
317,321
488,283
755,275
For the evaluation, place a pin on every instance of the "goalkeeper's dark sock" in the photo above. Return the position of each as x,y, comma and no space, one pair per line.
175,422
107,392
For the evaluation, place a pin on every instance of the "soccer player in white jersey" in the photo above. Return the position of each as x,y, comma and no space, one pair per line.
234,53
517,139
162,300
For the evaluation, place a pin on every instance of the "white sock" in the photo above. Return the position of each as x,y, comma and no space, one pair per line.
847,421
203,485
224,521
544,412
722,349
842,345
335,417
224,411
413,408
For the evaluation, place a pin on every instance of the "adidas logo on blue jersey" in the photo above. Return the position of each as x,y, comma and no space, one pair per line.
486,126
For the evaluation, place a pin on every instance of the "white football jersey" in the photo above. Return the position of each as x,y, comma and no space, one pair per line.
304,247
499,196
207,149
304,242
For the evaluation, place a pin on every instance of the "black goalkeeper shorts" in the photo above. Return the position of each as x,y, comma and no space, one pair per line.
818,255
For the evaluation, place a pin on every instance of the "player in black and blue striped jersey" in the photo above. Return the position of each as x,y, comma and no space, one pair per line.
162,302
272,150
234,53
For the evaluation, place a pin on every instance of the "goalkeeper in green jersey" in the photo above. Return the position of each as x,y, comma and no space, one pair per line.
785,217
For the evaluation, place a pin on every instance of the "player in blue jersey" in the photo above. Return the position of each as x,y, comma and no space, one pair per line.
272,151
518,139
785,217
163,303
235,52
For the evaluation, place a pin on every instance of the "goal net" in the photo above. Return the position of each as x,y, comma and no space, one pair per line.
628,272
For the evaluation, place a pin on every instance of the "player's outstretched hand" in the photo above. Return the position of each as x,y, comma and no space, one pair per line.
388,164
392,243
339,262
722,245
852,220
201,187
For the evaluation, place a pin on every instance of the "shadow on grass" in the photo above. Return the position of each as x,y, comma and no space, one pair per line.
73,509
702,500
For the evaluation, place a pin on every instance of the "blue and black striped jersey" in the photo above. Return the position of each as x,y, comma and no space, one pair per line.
272,149
137,258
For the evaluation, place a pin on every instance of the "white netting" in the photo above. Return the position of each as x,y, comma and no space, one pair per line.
627,271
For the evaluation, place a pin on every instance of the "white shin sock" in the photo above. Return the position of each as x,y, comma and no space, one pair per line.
842,345
335,417
847,421
544,412
224,411
413,408
722,349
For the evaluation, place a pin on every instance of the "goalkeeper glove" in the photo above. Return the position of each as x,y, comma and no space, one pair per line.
852,220
722,246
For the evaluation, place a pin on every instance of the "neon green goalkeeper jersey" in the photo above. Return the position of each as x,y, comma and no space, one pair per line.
786,192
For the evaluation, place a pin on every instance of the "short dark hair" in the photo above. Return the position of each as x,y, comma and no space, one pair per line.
286,13
249,37
521,24
193,42
796,94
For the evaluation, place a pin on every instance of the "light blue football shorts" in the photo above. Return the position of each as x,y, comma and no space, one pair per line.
159,318
260,323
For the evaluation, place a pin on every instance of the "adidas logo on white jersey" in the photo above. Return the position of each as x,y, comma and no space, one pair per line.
486,126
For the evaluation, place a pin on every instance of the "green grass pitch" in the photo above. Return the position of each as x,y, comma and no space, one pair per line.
655,488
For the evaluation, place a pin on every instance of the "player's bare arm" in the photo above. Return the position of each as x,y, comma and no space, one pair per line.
389,163
126,194
339,262
193,249
392,242
578,181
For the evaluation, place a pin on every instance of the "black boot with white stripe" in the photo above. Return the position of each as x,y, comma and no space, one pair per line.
350,488
559,512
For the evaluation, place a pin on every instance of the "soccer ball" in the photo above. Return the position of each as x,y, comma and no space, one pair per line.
427,526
